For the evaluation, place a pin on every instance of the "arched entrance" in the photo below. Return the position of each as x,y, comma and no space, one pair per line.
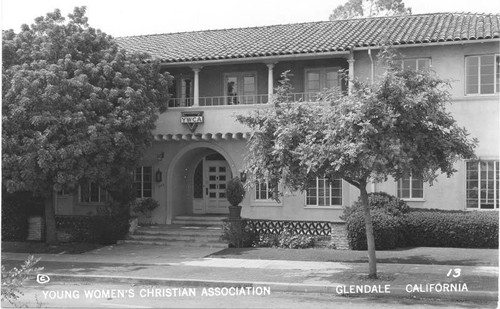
196,181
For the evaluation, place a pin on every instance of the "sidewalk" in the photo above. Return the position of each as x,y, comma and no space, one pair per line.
190,267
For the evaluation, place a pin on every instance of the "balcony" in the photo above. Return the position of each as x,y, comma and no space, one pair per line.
239,100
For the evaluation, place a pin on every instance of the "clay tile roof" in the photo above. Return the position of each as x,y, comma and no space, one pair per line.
315,37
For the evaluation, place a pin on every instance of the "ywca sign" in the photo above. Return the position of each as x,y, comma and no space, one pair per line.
192,119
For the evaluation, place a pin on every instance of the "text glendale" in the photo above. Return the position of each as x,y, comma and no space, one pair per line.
365,289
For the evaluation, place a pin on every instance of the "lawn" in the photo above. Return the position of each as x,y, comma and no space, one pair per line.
420,255
39,247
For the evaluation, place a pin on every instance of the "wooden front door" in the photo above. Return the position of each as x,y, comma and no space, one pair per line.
217,174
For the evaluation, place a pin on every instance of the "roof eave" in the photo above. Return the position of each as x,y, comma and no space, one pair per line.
262,59
456,42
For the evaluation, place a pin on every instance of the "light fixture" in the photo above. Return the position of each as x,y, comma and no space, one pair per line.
160,156
243,176
158,176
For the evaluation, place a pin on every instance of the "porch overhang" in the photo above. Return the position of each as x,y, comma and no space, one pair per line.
257,59
198,137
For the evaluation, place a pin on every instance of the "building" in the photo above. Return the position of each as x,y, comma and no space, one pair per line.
221,73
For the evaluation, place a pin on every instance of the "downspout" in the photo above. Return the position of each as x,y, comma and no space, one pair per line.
373,187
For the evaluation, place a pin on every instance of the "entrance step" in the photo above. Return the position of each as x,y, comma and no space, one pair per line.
198,220
197,231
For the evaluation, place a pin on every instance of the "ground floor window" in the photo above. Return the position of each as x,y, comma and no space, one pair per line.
482,184
143,181
411,187
92,193
324,192
263,191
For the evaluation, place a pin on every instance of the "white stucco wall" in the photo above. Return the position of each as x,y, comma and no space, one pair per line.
479,114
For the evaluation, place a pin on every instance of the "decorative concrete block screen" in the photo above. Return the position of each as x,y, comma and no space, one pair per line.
335,230
312,228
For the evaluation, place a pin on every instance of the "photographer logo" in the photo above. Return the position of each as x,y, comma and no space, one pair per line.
42,279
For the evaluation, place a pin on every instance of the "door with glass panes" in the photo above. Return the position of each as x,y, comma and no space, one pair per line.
217,174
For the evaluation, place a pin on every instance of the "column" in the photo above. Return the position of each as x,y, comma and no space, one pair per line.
351,72
196,95
270,80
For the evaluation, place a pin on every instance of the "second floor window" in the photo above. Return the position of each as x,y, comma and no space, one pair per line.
417,64
240,88
91,193
482,74
143,181
411,187
318,80
324,192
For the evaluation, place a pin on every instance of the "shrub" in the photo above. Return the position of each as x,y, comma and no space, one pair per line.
238,234
379,200
13,279
104,230
286,240
144,205
460,229
268,241
387,229
235,192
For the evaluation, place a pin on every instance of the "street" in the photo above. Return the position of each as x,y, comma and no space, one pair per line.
96,295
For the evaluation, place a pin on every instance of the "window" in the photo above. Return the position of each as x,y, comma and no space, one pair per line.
482,184
240,88
262,191
411,187
143,181
319,79
181,92
416,64
92,193
324,192
482,74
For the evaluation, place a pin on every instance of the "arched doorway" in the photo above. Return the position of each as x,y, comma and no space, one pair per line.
196,181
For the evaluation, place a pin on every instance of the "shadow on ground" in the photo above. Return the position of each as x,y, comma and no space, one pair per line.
421,255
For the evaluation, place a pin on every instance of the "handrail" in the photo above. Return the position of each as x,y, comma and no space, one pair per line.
240,99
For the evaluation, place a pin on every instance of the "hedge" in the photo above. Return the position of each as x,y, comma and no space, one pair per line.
387,230
460,229
426,228
379,200
94,229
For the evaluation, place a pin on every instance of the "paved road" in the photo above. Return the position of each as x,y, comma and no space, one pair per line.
94,295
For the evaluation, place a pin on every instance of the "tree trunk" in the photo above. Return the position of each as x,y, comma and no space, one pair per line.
50,221
370,238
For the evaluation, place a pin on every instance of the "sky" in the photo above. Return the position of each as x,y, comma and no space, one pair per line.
125,18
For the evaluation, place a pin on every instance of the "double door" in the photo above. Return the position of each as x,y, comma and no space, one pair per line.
217,174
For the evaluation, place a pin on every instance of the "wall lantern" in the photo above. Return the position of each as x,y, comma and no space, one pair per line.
160,156
243,176
158,176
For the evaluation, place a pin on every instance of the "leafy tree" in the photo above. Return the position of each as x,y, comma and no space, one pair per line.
369,8
75,108
398,125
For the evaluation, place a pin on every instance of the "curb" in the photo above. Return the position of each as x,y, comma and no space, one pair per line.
396,292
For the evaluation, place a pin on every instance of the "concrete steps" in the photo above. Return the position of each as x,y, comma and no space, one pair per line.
187,231
198,220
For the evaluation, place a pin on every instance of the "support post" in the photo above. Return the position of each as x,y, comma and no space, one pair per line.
270,67
351,72
196,99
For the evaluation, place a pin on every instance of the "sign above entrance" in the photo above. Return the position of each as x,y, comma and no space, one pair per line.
192,119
